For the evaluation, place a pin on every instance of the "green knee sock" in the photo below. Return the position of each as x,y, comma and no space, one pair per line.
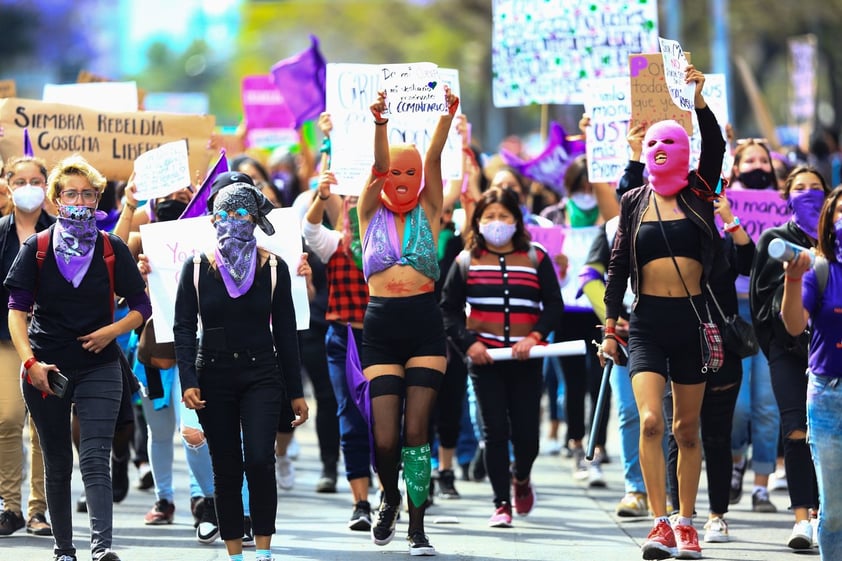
416,472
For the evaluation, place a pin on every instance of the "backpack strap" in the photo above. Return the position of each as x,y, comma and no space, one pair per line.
43,240
822,268
197,260
273,273
463,261
533,256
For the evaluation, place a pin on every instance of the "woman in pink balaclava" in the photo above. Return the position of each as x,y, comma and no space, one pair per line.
664,329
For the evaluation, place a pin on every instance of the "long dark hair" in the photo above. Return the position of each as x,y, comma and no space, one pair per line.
511,201
827,230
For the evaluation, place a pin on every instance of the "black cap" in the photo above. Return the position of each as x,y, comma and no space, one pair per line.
225,179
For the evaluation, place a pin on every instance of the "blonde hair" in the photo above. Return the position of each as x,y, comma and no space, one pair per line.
73,165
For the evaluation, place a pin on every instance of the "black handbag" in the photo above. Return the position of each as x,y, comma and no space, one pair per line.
737,334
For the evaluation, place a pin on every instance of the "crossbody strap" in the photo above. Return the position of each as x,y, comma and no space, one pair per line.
674,262
716,302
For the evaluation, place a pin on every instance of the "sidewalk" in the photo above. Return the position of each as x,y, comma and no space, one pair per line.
570,522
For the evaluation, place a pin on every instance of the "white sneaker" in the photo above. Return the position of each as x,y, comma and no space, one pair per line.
595,475
814,523
716,531
551,447
801,536
777,481
293,449
285,472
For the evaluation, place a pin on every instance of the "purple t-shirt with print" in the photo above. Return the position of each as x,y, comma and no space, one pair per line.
826,319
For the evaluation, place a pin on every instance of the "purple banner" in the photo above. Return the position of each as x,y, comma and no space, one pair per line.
269,122
549,166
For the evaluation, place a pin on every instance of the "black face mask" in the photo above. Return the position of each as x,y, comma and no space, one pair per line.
169,209
757,179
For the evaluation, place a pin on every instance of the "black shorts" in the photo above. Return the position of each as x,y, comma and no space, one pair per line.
664,338
398,329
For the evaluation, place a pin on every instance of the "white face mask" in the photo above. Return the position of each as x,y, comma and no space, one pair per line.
497,233
584,201
28,198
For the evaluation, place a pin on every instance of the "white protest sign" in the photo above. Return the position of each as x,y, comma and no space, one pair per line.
169,244
802,77
609,106
577,245
675,63
413,89
162,170
351,89
100,96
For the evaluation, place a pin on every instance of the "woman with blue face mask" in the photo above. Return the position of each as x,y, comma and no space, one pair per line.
27,180
816,297
805,192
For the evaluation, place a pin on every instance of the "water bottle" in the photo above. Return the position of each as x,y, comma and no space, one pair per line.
783,250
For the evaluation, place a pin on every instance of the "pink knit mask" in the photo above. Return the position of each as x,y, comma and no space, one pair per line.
667,150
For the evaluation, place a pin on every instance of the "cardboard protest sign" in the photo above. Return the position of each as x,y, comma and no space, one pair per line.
351,89
650,97
269,122
100,96
609,107
169,244
803,54
675,62
7,88
162,170
109,141
758,210
542,51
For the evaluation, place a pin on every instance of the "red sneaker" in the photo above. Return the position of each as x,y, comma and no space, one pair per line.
660,543
524,497
688,542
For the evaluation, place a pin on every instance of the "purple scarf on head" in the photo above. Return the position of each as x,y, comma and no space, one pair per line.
74,238
236,255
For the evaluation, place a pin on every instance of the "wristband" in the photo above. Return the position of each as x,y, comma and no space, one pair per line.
29,362
378,174
130,206
323,198
733,226
381,123
534,336
792,279
610,329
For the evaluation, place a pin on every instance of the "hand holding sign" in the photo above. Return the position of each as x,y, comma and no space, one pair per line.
675,64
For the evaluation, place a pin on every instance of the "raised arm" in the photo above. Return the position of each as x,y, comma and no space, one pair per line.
370,195
433,194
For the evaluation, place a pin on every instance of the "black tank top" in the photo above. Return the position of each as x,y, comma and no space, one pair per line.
684,237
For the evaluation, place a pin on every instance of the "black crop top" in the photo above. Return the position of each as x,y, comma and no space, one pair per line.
684,237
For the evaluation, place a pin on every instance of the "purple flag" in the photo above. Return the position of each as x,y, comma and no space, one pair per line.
301,80
27,144
198,205
549,166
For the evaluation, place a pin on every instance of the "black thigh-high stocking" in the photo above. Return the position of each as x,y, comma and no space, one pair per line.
387,392
422,386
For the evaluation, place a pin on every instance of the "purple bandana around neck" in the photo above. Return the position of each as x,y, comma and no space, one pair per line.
236,255
837,245
806,206
74,238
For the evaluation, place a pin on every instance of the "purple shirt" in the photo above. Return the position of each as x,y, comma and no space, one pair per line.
826,319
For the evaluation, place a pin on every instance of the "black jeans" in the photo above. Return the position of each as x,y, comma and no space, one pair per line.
241,390
314,358
789,382
509,397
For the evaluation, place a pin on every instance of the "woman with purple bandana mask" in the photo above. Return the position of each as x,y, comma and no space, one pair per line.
245,363
805,192
73,331
805,301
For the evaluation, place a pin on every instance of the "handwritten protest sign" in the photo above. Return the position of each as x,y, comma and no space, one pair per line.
542,51
351,89
675,64
758,210
609,106
7,88
100,96
162,170
650,97
269,122
109,141
169,244
802,77
413,89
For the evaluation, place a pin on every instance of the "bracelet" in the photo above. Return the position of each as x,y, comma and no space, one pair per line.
609,336
130,206
610,329
792,279
323,198
29,362
378,174
381,123
534,336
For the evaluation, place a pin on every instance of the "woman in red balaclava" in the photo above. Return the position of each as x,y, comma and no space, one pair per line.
403,347
664,328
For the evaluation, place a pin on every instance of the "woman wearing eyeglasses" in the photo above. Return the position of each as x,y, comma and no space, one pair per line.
245,363
72,332
27,179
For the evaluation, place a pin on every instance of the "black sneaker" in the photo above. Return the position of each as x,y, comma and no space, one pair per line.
208,529
197,509
447,489
119,477
478,465
387,516
420,545
248,533
82,503
64,557
10,522
326,483
361,517
37,525
105,555
737,481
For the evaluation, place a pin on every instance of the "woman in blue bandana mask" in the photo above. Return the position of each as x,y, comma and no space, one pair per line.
805,192
73,331
246,361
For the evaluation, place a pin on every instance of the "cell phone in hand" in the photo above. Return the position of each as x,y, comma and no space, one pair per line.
58,382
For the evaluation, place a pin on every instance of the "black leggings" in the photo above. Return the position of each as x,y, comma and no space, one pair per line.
509,397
